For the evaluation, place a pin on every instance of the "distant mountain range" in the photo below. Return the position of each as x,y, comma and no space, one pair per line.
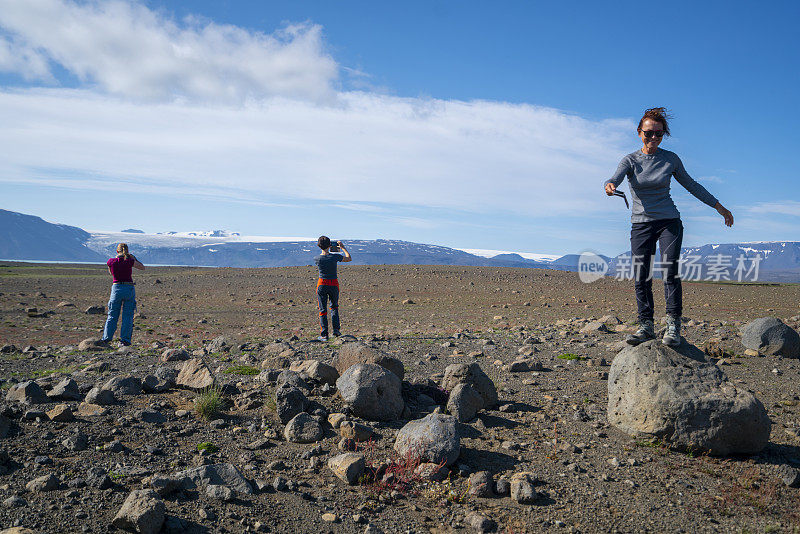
27,237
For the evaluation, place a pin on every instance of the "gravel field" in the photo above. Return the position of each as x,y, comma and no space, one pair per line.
245,325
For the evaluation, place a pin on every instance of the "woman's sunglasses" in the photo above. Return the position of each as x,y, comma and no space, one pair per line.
650,133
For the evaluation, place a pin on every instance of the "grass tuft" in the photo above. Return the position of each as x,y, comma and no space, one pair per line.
244,370
207,446
570,356
209,403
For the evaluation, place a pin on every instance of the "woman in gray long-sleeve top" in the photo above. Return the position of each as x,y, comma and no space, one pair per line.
655,219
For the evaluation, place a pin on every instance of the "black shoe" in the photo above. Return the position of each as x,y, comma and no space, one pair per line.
336,333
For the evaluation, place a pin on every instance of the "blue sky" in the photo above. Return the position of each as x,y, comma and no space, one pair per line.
467,124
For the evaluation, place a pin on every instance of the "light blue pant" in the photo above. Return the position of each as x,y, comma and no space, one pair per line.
123,297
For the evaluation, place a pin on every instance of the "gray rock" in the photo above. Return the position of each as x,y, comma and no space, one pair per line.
472,374
66,390
316,370
124,385
274,349
76,442
523,366
522,490
481,484
434,438
353,353
43,483
175,355
594,326
167,374
280,484
218,474
656,392
142,512
99,396
789,475
303,429
26,392
432,471
194,375
221,493
34,414
153,384
293,379
14,502
356,431
289,401
372,392
97,477
769,335
114,446
502,487
95,310
220,344
61,413
92,344
348,467
480,523
464,402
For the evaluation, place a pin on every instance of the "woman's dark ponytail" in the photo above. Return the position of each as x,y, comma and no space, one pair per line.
122,249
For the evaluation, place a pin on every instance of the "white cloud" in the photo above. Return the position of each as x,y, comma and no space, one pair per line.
476,156
190,108
26,62
128,50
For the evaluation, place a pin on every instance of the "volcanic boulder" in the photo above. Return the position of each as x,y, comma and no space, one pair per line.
372,392
656,392
769,335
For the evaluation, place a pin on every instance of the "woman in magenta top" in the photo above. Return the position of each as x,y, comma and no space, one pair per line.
123,295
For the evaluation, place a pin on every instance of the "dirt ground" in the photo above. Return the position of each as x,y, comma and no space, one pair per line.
591,477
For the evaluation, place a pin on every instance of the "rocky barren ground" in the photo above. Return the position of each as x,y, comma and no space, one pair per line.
68,465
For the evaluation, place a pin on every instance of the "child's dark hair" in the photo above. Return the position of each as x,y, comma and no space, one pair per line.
658,115
324,242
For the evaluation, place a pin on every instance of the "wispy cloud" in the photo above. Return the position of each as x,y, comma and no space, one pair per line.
786,207
477,156
126,49
352,206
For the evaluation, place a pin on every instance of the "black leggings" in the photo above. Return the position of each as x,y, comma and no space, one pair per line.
668,233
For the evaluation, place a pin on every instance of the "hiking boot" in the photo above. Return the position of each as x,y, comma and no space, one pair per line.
324,339
646,332
336,333
672,335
